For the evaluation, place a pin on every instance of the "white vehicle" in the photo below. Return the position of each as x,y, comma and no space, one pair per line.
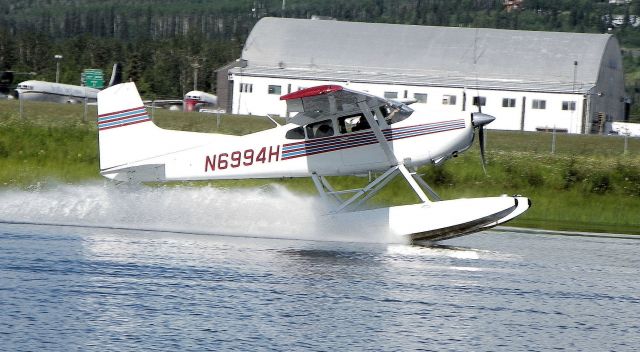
336,132
626,128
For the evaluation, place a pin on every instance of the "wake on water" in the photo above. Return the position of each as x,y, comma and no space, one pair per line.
271,211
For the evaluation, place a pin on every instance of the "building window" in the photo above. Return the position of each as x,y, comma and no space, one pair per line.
539,104
246,88
391,95
479,101
448,100
273,89
569,105
420,97
508,103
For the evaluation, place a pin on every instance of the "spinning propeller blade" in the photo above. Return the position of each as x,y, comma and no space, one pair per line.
479,120
481,141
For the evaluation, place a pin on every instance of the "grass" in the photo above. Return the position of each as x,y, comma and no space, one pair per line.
588,184
569,192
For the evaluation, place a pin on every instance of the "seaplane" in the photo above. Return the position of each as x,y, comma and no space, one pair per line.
335,131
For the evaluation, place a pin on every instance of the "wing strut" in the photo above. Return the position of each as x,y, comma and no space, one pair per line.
384,144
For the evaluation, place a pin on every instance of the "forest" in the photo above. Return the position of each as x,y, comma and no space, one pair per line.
158,41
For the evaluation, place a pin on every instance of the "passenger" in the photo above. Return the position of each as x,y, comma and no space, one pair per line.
362,124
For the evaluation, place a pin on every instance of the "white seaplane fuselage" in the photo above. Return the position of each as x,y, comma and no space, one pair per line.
269,154
129,139
133,148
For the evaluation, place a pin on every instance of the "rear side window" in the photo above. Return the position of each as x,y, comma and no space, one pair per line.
320,129
296,133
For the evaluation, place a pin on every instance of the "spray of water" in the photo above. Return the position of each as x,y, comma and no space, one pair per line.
271,211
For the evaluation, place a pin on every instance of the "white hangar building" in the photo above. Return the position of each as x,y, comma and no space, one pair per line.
530,81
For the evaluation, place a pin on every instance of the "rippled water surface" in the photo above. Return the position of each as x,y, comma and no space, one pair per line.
89,287
69,288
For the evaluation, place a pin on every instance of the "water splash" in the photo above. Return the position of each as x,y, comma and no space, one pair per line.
271,211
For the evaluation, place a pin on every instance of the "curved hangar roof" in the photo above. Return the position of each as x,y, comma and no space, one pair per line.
424,55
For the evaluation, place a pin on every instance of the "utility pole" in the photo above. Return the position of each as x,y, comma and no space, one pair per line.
575,75
195,64
58,57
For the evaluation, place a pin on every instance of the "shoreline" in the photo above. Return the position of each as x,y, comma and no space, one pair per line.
536,231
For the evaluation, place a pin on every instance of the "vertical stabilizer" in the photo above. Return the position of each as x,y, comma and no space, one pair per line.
128,139
116,75
126,133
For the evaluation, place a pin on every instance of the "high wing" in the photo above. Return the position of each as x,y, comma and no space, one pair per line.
322,101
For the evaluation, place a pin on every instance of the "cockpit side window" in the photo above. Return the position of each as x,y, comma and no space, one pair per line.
320,129
395,113
296,133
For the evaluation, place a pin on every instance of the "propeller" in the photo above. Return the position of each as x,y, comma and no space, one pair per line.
479,120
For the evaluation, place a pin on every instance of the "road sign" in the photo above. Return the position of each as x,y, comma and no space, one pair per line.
93,78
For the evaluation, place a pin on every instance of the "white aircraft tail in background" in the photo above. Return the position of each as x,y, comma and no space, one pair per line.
336,132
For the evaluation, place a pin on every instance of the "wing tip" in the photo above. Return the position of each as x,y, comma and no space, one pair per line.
312,91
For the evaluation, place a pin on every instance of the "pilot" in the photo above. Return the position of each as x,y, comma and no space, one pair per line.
324,130
390,114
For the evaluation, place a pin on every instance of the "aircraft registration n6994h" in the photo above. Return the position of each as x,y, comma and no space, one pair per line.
336,131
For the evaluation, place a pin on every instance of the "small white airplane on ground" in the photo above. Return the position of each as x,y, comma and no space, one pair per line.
55,92
336,132
195,100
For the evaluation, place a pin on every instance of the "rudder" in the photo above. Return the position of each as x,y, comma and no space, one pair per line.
125,130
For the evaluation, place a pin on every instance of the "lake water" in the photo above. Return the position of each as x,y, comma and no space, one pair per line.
94,287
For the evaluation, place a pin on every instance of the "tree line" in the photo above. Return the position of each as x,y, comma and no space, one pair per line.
158,41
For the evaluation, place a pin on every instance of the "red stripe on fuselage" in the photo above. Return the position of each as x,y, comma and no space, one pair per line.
125,124
120,112
122,118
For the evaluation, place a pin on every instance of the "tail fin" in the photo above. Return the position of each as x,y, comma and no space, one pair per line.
131,146
126,133
116,75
